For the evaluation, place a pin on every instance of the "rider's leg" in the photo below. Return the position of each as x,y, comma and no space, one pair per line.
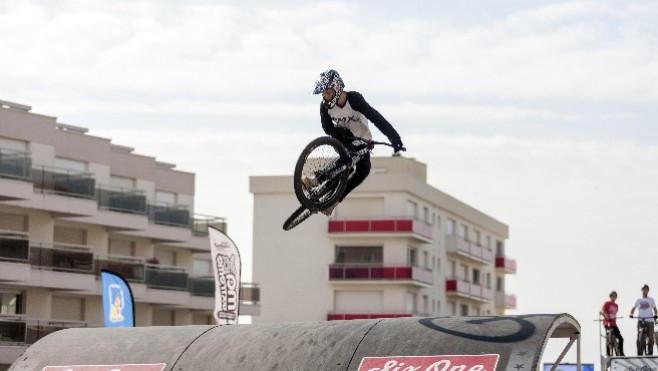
617,333
650,337
640,346
360,174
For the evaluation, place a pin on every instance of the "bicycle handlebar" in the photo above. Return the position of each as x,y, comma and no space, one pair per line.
638,317
371,142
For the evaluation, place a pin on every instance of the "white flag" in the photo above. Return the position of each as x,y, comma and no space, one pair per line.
226,266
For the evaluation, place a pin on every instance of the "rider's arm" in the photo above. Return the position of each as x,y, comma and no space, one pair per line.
357,102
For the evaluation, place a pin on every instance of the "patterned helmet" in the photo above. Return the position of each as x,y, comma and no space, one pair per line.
329,79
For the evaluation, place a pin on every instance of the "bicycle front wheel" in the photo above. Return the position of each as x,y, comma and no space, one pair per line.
321,173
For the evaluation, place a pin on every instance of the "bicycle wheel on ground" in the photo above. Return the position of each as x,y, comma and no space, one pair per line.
296,218
322,165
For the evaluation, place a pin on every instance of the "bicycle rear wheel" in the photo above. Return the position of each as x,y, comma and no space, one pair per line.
296,218
323,163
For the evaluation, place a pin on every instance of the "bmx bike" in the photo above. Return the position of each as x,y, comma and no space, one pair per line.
612,346
645,339
322,172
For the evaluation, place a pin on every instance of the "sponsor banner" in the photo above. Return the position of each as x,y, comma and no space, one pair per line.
118,305
226,268
640,363
480,362
134,367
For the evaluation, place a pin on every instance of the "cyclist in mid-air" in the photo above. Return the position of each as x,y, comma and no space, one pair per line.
344,115
609,313
646,312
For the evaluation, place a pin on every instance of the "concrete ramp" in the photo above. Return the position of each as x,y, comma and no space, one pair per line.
507,343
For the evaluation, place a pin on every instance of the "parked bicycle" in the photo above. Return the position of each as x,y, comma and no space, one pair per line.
330,165
612,345
645,337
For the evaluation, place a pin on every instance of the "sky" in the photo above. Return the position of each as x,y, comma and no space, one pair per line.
538,113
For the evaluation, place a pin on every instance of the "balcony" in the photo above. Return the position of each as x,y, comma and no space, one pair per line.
122,200
460,247
166,277
378,273
200,224
170,215
14,246
205,286
506,265
352,316
467,290
61,257
505,301
18,329
386,226
129,267
65,182
14,164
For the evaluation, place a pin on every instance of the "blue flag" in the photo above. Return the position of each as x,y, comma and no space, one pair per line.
118,305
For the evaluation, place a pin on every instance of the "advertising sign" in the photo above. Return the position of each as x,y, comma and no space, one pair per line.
226,268
479,362
645,363
118,306
569,367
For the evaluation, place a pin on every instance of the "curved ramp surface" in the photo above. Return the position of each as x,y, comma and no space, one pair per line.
501,342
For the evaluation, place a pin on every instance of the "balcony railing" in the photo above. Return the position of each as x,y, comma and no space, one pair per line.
459,246
506,264
122,200
63,181
166,277
377,315
468,290
205,286
343,272
130,267
19,329
14,246
387,224
171,215
200,224
14,164
61,257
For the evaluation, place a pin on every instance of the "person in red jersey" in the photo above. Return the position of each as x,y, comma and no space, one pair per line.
609,313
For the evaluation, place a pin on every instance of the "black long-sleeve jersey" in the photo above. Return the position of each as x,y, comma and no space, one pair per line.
354,115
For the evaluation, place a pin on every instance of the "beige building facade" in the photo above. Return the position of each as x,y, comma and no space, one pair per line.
72,204
396,247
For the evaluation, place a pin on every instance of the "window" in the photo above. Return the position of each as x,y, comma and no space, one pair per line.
489,242
426,304
438,222
66,164
165,257
412,209
450,227
201,267
120,247
488,281
453,308
499,284
453,268
69,309
500,250
13,145
122,182
165,198
75,236
463,310
426,214
426,260
359,254
11,303
410,303
463,231
412,260
478,238
13,222
476,276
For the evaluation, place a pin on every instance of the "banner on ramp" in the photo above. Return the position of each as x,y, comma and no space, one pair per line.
133,367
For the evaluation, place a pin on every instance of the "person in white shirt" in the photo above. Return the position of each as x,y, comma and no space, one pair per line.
646,313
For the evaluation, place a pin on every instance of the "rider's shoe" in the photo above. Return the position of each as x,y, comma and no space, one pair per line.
309,182
328,211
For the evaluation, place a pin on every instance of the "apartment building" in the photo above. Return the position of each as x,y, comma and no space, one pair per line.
396,247
72,204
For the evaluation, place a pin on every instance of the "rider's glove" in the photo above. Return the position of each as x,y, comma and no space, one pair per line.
397,145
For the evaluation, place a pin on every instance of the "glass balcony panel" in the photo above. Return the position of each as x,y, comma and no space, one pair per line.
172,215
130,268
122,200
15,164
200,224
61,257
12,330
164,277
249,293
202,286
36,330
14,246
62,181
